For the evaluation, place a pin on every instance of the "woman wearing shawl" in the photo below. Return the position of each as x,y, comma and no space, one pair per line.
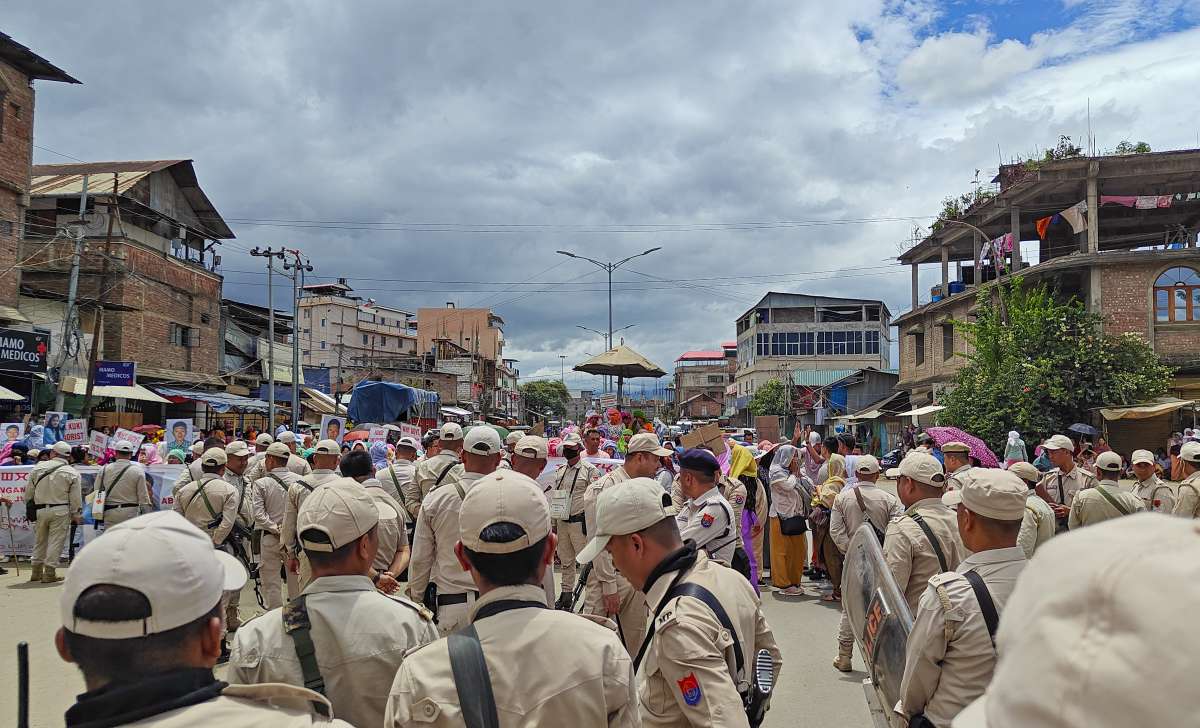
831,556
788,499
379,455
1014,449
176,457
743,468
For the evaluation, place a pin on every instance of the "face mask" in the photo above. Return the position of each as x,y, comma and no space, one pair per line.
570,453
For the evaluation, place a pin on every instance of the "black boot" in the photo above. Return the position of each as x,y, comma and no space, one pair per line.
565,602
224,658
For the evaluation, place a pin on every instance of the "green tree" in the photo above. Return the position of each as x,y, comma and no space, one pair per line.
1128,147
770,399
1038,364
546,395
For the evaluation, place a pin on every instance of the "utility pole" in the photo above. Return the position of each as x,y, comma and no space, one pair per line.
562,368
269,254
70,321
114,210
298,269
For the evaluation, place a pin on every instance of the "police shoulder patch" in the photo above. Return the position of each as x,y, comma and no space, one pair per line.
689,687
739,499
707,520
665,619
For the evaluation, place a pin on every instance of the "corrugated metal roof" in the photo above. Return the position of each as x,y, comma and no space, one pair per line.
820,377
701,355
71,185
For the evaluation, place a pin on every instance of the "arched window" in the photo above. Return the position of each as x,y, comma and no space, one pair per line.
1177,295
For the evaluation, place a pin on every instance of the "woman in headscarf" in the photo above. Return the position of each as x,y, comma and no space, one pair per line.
379,455
176,457
1014,449
744,469
831,556
788,499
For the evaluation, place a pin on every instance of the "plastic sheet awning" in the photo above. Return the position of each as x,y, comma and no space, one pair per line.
220,402
1145,411
385,401
76,385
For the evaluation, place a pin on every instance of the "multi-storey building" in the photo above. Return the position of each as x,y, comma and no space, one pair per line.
701,378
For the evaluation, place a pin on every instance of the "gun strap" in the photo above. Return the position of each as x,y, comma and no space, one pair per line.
395,479
471,679
200,492
736,535
1112,501
689,589
937,547
116,480
862,506
462,494
986,605
442,476
297,624
42,476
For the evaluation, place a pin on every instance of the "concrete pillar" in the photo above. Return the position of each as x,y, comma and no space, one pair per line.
1093,203
914,286
1014,219
945,270
977,243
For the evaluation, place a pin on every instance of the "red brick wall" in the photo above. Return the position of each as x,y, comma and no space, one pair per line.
16,156
1126,297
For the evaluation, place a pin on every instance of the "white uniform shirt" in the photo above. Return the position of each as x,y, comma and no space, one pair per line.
708,520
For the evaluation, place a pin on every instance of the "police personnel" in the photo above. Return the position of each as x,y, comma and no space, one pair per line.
141,617
210,503
268,504
857,504
296,464
392,555
398,474
688,666
1187,499
1156,494
951,651
609,593
257,466
958,461
1037,525
1108,499
529,459
237,456
705,517
325,459
53,485
340,637
510,443
441,469
123,482
924,540
433,558
571,482
543,667
1059,486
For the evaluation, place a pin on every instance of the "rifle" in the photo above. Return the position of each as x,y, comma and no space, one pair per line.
584,573
236,541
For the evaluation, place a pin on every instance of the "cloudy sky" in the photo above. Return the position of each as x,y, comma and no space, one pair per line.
435,152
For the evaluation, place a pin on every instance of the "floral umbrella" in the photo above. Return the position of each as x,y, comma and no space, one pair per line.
979,451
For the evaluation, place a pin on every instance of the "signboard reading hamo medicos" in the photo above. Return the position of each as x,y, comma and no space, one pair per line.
23,351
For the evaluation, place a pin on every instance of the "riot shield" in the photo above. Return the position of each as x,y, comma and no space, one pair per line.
878,614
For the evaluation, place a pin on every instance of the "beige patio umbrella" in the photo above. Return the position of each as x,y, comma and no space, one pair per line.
623,363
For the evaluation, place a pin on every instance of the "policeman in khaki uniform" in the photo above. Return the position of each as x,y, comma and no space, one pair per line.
1068,645
123,483
325,459
296,464
141,617
951,654
54,485
1037,525
1107,500
958,462
546,667
706,517
571,482
392,555
237,456
210,503
529,459
924,541
258,459
1156,494
268,503
1059,486
340,633
444,468
687,667
1187,499
399,473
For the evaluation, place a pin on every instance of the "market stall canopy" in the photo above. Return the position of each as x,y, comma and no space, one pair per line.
220,402
7,394
1162,406
321,403
75,385
926,410
385,401
455,412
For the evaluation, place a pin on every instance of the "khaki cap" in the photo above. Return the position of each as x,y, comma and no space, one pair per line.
921,467
504,496
991,493
1190,452
1142,456
532,446
1108,461
118,446
279,450
165,559
481,440
287,437
237,449
647,442
212,457
328,447
1058,442
263,439
625,508
957,447
197,447
33,452
409,443
573,440
1025,471
452,431
341,510
1065,644
62,448
866,464
512,438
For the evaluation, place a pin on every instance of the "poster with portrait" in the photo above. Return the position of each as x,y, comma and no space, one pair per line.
54,428
13,432
178,435
333,428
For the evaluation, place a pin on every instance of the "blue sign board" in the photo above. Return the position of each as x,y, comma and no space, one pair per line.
116,373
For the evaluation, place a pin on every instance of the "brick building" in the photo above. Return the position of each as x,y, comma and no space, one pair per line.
706,373
19,68
1118,232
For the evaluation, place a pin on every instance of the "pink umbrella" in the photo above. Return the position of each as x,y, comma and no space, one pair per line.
979,451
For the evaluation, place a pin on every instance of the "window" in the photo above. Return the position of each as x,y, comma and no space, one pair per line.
763,344
366,340
786,344
184,335
716,378
919,348
6,228
871,342
383,341
947,341
764,315
322,322
322,344
1177,295
307,352
307,313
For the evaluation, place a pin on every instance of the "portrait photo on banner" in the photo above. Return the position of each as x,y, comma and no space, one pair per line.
54,427
178,435
333,428
13,431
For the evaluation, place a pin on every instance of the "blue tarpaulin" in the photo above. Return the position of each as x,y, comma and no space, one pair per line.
385,401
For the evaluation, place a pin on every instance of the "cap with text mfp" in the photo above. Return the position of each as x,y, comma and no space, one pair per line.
866,464
573,441
287,437
1065,644
1189,452
1108,461
124,446
647,442
237,449
482,440
1025,471
512,438
1058,442
341,510
213,457
328,447
991,493
452,431
263,440
61,448
165,559
279,450
1142,457
408,442
626,508
532,446
921,467
504,496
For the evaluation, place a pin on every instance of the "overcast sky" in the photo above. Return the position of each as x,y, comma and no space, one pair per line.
463,143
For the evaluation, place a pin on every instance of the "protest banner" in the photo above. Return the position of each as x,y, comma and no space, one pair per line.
75,432
54,427
413,431
178,435
123,435
97,443
378,434
333,428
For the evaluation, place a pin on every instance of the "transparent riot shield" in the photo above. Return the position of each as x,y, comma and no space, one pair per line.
878,615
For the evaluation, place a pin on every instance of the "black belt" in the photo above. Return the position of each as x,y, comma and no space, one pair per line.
111,506
48,505
444,600
577,518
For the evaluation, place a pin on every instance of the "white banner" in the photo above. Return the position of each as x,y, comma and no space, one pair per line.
413,431
75,432
378,434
